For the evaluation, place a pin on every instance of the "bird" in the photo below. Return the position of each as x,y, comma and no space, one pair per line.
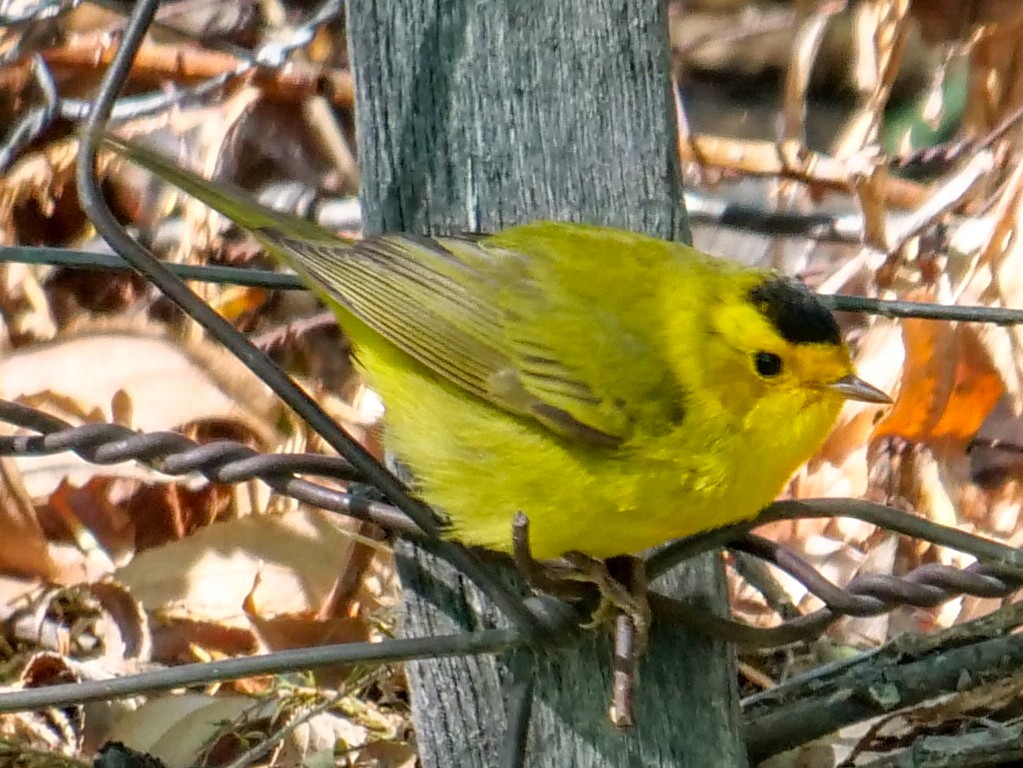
618,390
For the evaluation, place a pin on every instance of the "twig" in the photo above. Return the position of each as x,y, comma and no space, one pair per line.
989,745
750,23
264,745
902,673
160,62
767,158
797,79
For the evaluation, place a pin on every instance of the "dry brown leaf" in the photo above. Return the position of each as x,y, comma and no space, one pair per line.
999,345
287,564
942,20
977,388
123,626
386,754
237,301
995,74
59,731
283,632
96,362
192,729
110,519
39,180
26,308
880,33
176,729
136,368
317,740
180,641
90,518
24,548
926,380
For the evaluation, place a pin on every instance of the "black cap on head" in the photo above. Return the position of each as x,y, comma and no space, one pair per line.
795,311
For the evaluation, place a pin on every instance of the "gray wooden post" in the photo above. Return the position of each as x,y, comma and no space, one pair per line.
476,116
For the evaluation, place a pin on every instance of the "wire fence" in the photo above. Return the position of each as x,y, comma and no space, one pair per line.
998,572
534,621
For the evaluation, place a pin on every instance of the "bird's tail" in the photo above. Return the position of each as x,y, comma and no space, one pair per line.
228,199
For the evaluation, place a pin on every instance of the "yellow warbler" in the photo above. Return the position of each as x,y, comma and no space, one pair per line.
619,390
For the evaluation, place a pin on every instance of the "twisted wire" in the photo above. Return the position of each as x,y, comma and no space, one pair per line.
220,461
227,461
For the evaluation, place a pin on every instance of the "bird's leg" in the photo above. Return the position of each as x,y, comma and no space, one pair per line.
624,590
630,638
622,585
624,664
623,594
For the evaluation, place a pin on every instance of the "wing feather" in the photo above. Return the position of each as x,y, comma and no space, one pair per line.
480,317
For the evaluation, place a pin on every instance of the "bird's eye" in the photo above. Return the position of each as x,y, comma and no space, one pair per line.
767,363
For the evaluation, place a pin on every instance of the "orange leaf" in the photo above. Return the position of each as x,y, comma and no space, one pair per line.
238,301
949,385
928,378
976,389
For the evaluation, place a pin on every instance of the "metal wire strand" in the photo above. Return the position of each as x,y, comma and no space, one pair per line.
519,708
928,586
264,278
201,673
223,461
1008,560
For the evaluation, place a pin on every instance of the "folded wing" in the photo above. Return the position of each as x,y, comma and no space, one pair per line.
517,329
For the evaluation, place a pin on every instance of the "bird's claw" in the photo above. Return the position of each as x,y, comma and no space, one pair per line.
615,596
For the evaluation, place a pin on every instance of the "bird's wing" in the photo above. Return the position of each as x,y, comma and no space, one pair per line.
484,318
518,318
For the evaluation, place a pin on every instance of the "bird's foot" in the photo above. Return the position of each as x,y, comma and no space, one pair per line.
622,586
552,577
621,583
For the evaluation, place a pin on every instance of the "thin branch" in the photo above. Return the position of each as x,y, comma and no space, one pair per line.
160,62
902,673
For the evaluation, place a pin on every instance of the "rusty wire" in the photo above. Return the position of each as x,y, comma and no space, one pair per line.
227,461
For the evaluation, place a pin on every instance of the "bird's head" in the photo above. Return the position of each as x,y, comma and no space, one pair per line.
774,353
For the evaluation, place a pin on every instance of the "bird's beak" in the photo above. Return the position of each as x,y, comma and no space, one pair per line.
854,388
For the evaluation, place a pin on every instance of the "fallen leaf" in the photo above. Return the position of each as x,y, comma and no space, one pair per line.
176,729
296,558
949,386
